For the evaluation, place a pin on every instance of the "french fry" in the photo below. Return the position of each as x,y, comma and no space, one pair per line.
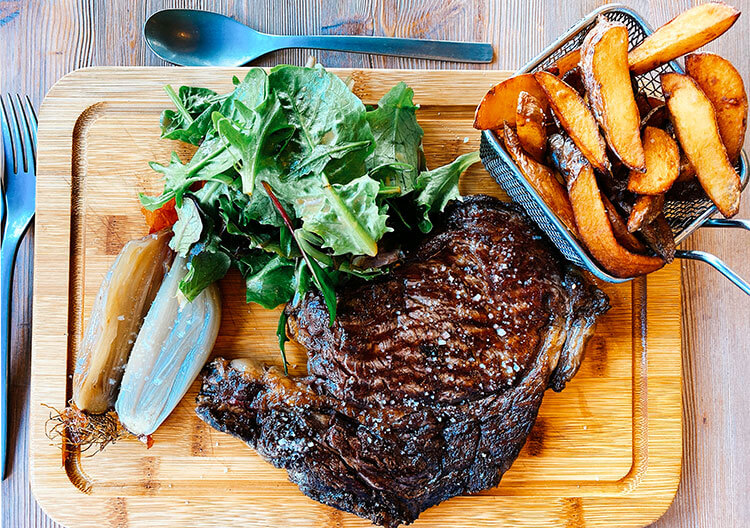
577,120
686,32
722,84
645,210
530,125
595,228
695,124
604,68
499,104
620,228
662,164
543,180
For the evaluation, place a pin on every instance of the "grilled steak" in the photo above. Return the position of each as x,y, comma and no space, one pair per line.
429,380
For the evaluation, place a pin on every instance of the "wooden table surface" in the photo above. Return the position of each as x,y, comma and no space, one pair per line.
43,40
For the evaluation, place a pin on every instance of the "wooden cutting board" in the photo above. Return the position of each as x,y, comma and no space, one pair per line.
604,452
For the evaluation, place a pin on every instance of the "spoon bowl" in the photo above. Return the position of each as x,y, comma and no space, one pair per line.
189,37
201,38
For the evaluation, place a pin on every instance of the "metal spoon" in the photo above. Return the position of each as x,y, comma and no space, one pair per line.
190,37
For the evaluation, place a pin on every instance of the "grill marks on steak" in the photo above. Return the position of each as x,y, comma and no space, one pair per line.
430,379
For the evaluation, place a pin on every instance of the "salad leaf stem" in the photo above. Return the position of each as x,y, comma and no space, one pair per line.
386,191
315,270
307,246
178,104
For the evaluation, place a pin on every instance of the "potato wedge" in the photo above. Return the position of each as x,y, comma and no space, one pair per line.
499,104
695,124
596,231
530,127
662,164
576,119
542,179
620,228
604,69
687,172
658,235
568,62
686,32
645,210
722,84
645,103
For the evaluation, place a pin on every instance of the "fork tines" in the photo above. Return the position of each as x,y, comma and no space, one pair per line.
19,129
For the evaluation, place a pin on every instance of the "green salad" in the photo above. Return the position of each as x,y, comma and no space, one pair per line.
296,183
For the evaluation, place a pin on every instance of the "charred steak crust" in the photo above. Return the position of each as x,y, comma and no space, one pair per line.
429,380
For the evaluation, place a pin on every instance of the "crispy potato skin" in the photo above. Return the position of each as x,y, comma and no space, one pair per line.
655,117
499,104
686,32
695,124
530,125
577,120
573,79
645,210
620,228
604,69
596,231
542,178
722,84
662,163
658,235
568,62
687,172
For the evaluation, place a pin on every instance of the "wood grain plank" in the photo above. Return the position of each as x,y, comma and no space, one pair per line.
40,46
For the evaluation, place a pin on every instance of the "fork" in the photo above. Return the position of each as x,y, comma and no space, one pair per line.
19,126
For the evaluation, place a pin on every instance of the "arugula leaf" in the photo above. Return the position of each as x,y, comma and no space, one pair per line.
439,186
187,230
346,217
208,163
398,138
272,284
207,265
248,94
191,122
245,143
331,132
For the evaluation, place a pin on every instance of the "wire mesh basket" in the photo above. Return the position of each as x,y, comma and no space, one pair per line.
684,216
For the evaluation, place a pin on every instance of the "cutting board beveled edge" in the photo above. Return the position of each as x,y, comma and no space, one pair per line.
636,499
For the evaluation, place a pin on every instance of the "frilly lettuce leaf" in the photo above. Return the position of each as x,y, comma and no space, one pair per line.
439,186
346,217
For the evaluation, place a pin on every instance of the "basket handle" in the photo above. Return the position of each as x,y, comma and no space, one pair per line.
723,222
716,262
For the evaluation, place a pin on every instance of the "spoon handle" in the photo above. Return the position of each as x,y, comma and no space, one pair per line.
400,47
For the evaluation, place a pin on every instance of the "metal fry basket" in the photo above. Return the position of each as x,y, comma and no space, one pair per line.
684,216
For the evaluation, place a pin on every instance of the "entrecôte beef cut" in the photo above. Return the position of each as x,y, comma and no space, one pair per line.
429,380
